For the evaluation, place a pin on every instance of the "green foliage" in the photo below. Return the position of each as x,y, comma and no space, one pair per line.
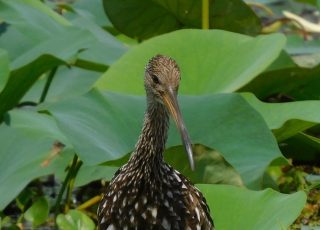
204,66
239,208
70,88
4,66
287,119
38,212
85,113
75,220
299,83
25,155
172,15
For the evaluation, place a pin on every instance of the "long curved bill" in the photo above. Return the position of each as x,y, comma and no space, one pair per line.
170,100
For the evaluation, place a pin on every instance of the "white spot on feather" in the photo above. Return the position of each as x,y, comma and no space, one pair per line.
111,227
144,200
154,212
165,224
191,198
169,194
177,177
198,213
166,203
124,202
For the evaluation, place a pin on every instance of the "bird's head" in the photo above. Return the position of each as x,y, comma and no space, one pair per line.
162,78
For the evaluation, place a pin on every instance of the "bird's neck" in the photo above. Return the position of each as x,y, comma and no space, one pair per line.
153,137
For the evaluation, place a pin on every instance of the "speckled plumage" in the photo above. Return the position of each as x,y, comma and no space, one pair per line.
147,193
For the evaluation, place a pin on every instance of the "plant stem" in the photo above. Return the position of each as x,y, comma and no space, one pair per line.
71,184
47,85
65,183
205,14
89,203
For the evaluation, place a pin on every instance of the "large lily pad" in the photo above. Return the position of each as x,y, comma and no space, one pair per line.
239,208
210,61
106,127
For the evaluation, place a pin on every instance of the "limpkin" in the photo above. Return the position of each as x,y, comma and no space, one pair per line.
147,193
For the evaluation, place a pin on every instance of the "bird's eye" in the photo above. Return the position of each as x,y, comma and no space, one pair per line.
155,79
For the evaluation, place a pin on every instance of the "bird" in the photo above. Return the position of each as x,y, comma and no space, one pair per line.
146,192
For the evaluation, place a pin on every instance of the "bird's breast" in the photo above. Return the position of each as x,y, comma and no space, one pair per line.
147,201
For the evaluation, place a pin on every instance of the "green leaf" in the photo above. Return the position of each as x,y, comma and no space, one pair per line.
64,46
22,79
312,2
36,7
26,155
67,82
312,141
92,10
47,45
211,167
283,61
89,173
161,16
305,53
213,65
239,208
97,127
36,125
38,212
75,220
287,119
302,148
234,15
296,83
105,50
62,49
24,198
297,45
95,124
4,66
25,31
26,37
31,12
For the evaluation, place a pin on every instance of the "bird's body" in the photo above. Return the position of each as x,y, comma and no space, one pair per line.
147,193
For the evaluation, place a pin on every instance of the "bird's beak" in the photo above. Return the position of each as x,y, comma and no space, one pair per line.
170,100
